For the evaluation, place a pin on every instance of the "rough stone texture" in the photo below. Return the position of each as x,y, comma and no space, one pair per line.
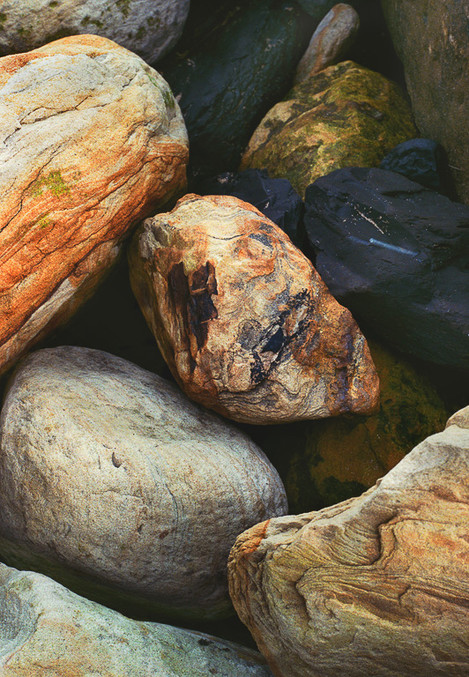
395,253
331,40
275,198
377,585
243,320
344,116
47,630
432,40
109,470
234,62
421,160
148,27
83,160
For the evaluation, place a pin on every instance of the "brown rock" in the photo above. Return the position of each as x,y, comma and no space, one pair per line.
83,159
377,585
242,318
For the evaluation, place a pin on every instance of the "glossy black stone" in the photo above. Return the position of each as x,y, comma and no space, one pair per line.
420,160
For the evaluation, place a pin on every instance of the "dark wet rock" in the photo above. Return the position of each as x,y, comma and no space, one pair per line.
421,160
396,254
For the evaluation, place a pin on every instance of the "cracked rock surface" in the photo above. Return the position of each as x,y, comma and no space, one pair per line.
377,585
108,470
91,142
47,630
243,320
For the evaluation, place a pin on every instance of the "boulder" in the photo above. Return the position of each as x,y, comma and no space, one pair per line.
228,72
148,28
377,585
243,320
345,115
83,161
331,40
109,470
395,253
432,41
421,160
47,630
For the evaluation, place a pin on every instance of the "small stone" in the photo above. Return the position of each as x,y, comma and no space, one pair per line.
421,160
331,41
243,320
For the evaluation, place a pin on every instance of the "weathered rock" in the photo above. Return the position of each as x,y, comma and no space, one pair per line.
83,160
109,470
432,41
325,462
243,320
275,198
421,160
377,585
330,42
148,28
395,253
227,75
346,115
47,630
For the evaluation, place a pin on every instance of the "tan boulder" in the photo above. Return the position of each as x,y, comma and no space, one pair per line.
91,142
243,320
377,585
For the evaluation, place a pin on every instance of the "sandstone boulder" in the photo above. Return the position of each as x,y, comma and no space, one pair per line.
148,28
377,585
83,160
345,115
108,470
47,630
243,320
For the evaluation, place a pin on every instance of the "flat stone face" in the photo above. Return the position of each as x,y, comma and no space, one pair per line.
395,253
343,116
148,28
47,630
83,160
376,585
242,318
109,470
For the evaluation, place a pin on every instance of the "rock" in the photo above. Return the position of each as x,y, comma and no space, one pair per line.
226,76
421,160
346,115
325,462
242,318
330,42
148,28
377,585
432,42
83,161
317,8
108,470
275,198
395,253
48,630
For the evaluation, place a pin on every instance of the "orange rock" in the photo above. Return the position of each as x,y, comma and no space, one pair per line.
243,320
91,142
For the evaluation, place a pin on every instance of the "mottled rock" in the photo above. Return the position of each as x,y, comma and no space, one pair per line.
47,630
331,40
395,253
109,470
431,39
275,198
377,585
243,320
346,115
228,72
83,161
421,160
148,28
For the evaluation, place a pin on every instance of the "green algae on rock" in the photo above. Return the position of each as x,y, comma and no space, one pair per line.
344,116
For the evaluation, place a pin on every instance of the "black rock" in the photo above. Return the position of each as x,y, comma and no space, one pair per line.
276,198
421,160
397,255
